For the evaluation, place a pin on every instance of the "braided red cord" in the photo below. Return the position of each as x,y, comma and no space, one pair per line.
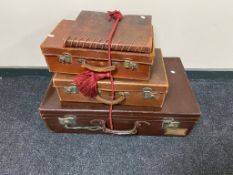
87,81
117,16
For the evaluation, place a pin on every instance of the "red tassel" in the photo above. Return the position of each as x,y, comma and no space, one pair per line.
87,82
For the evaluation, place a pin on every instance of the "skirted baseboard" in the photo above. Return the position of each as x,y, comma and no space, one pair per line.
192,74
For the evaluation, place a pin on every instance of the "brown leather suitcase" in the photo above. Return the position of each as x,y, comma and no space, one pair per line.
128,92
62,59
177,117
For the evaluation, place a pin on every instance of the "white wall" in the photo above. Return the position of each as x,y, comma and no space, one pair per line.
198,31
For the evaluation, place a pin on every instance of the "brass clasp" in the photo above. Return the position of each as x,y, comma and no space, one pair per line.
65,58
130,65
71,89
148,93
170,122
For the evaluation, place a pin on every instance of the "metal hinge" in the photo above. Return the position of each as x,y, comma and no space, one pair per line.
148,93
65,58
71,89
170,122
130,65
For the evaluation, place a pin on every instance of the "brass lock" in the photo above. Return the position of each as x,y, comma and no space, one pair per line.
65,58
148,93
130,65
71,89
172,127
170,122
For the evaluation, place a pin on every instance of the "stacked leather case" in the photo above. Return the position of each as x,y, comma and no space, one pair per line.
148,95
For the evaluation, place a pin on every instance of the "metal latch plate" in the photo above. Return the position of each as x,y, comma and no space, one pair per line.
68,120
130,65
65,58
71,89
148,93
170,123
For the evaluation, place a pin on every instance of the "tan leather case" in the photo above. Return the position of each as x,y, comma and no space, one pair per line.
128,92
61,59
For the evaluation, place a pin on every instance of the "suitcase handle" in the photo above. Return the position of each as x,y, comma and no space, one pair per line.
96,68
132,131
70,122
110,102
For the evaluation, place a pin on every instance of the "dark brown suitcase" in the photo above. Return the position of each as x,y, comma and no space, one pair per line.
127,92
177,117
61,59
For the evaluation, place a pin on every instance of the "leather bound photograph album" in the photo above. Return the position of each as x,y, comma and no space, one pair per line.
176,118
91,31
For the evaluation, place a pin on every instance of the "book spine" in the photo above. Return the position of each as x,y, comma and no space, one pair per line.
97,44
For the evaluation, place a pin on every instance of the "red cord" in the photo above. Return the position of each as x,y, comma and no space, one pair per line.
117,16
87,81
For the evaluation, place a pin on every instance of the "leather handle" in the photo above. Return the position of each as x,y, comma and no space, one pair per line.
89,128
110,102
98,69
132,131
70,122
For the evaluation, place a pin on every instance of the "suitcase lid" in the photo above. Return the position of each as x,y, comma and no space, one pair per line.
91,30
53,45
158,81
179,102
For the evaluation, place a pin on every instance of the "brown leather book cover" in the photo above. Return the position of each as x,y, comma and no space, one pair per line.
134,33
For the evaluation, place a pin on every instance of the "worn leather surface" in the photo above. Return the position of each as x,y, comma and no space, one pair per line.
180,104
91,30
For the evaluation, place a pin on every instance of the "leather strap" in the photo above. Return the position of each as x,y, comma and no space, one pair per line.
98,69
110,102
